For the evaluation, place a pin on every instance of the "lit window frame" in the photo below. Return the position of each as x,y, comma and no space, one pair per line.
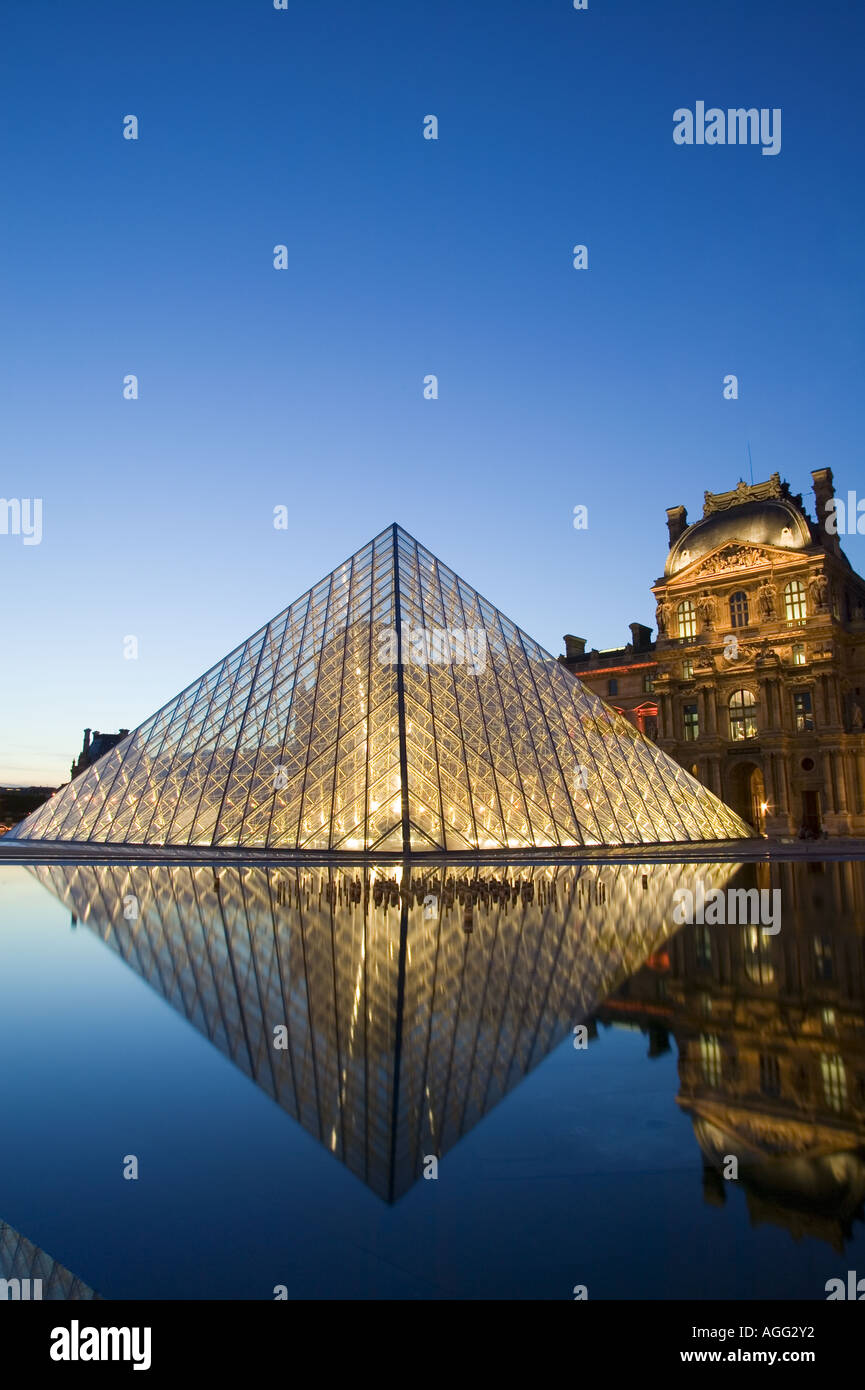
686,618
742,712
795,601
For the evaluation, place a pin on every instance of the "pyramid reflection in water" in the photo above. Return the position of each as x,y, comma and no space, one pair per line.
27,1273
389,710
411,1008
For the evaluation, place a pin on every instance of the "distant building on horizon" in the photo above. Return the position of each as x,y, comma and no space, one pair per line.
755,681
93,747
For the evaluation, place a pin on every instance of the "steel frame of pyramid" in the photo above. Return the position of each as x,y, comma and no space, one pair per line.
391,709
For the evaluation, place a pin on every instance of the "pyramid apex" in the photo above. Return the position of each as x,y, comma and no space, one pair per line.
390,709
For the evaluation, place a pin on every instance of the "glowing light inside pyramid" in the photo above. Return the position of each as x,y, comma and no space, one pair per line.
324,732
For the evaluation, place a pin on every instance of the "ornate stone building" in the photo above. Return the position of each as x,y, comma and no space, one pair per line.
771,1048
757,673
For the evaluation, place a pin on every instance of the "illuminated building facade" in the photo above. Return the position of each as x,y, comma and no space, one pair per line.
757,674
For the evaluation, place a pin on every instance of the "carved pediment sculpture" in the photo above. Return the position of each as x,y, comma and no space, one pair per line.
734,557
746,653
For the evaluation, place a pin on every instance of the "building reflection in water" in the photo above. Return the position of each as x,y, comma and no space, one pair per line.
29,1274
770,1032
410,1004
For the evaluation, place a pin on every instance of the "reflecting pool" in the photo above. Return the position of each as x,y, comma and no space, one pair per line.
436,1082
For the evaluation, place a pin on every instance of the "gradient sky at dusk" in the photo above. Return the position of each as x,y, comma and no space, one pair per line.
407,257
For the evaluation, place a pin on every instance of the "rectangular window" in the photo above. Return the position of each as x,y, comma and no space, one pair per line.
687,670
770,1075
692,723
834,1082
798,653
710,1057
802,713
687,615
648,683
612,687
824,966
794,602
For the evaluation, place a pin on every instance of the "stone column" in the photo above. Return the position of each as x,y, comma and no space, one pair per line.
663,715
712,707
829,782
841,782
766,705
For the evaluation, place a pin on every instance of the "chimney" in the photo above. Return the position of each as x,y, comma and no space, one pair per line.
824,490
86,743
677,522
641,636
123,733
574,647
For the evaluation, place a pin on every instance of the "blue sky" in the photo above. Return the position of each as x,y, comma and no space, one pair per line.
406,257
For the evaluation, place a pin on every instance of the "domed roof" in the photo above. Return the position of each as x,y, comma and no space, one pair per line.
770,521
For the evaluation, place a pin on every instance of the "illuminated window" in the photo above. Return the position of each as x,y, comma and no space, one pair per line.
739,609
710,1059
798,653
743,718
691,720
803,714
758,956
794,601
687,615
687,670
834,1082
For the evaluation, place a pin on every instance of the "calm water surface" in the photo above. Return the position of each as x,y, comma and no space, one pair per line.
287,1052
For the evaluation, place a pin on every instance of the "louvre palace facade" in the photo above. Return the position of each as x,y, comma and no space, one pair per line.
755,682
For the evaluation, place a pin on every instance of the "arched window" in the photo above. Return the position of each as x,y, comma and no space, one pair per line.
743,719
687,615
739,609
794,601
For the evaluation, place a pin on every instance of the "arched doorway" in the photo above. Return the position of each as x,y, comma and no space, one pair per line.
747,794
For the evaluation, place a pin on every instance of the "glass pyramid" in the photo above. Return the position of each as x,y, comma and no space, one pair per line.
390,709
21,1261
